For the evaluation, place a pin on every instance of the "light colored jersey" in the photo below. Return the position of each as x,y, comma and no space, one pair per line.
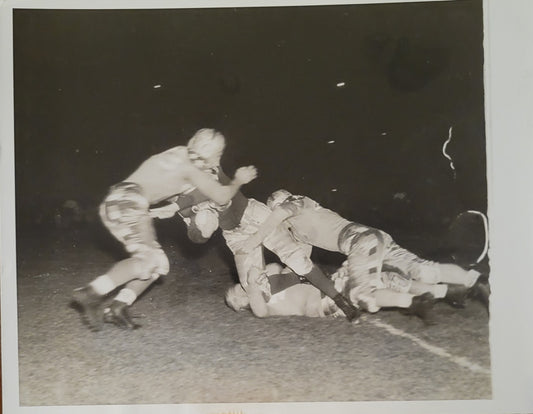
280,241
301,300
313,224
161,176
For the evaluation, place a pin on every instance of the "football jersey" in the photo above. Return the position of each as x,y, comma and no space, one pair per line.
313,224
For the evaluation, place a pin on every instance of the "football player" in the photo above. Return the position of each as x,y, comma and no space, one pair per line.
268,294
375,261
241,218
125,213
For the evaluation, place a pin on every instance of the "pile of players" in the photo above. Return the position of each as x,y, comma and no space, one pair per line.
188,180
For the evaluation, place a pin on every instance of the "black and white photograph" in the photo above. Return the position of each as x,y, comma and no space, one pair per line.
252,204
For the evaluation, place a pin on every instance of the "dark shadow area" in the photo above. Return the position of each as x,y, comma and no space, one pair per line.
115,87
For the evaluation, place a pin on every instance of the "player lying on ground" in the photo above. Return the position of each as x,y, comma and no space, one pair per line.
238,220
279,292
371,253
124,212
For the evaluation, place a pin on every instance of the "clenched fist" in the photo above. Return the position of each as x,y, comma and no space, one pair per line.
244,175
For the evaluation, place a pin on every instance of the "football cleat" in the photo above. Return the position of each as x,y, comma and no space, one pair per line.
89,303
351,312
456,296
480,292
422,307
117,313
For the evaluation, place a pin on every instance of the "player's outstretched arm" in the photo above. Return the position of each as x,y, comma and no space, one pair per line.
275,218
166,211
221,194
255,293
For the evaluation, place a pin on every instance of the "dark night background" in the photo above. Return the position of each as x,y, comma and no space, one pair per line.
87,112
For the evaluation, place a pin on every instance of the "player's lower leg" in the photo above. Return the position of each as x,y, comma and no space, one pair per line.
89,302
472,280
452,273
419,288
420,306
390,298
129,269
480,292
89,299
118,314
456,295
118,311
326,285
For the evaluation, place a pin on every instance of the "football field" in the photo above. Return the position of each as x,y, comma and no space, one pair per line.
192,348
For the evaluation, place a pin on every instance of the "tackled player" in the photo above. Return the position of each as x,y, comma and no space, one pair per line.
374,260
243,217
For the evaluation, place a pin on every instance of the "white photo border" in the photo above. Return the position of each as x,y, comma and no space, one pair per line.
509,126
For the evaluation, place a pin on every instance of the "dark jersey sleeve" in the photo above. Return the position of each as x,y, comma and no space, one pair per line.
230,217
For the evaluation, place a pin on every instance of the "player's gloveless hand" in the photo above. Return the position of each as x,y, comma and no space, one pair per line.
244,175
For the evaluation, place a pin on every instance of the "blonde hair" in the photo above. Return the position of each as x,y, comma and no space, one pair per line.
237,298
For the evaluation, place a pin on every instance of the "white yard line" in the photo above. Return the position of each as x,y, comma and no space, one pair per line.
462,361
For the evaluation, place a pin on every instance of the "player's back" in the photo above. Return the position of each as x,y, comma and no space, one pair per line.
162,175
313,224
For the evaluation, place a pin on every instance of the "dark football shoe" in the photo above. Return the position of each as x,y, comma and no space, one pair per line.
422,307
117,313
89,303
456,296
351,312
481,292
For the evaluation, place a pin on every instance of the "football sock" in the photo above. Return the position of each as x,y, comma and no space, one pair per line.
127,296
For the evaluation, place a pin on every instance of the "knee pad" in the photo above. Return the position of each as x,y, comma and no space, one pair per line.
155,262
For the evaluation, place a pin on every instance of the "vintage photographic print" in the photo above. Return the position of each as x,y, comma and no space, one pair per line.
262,204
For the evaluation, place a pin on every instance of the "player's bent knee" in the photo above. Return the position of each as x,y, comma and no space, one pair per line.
299,263
152,261
160,260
